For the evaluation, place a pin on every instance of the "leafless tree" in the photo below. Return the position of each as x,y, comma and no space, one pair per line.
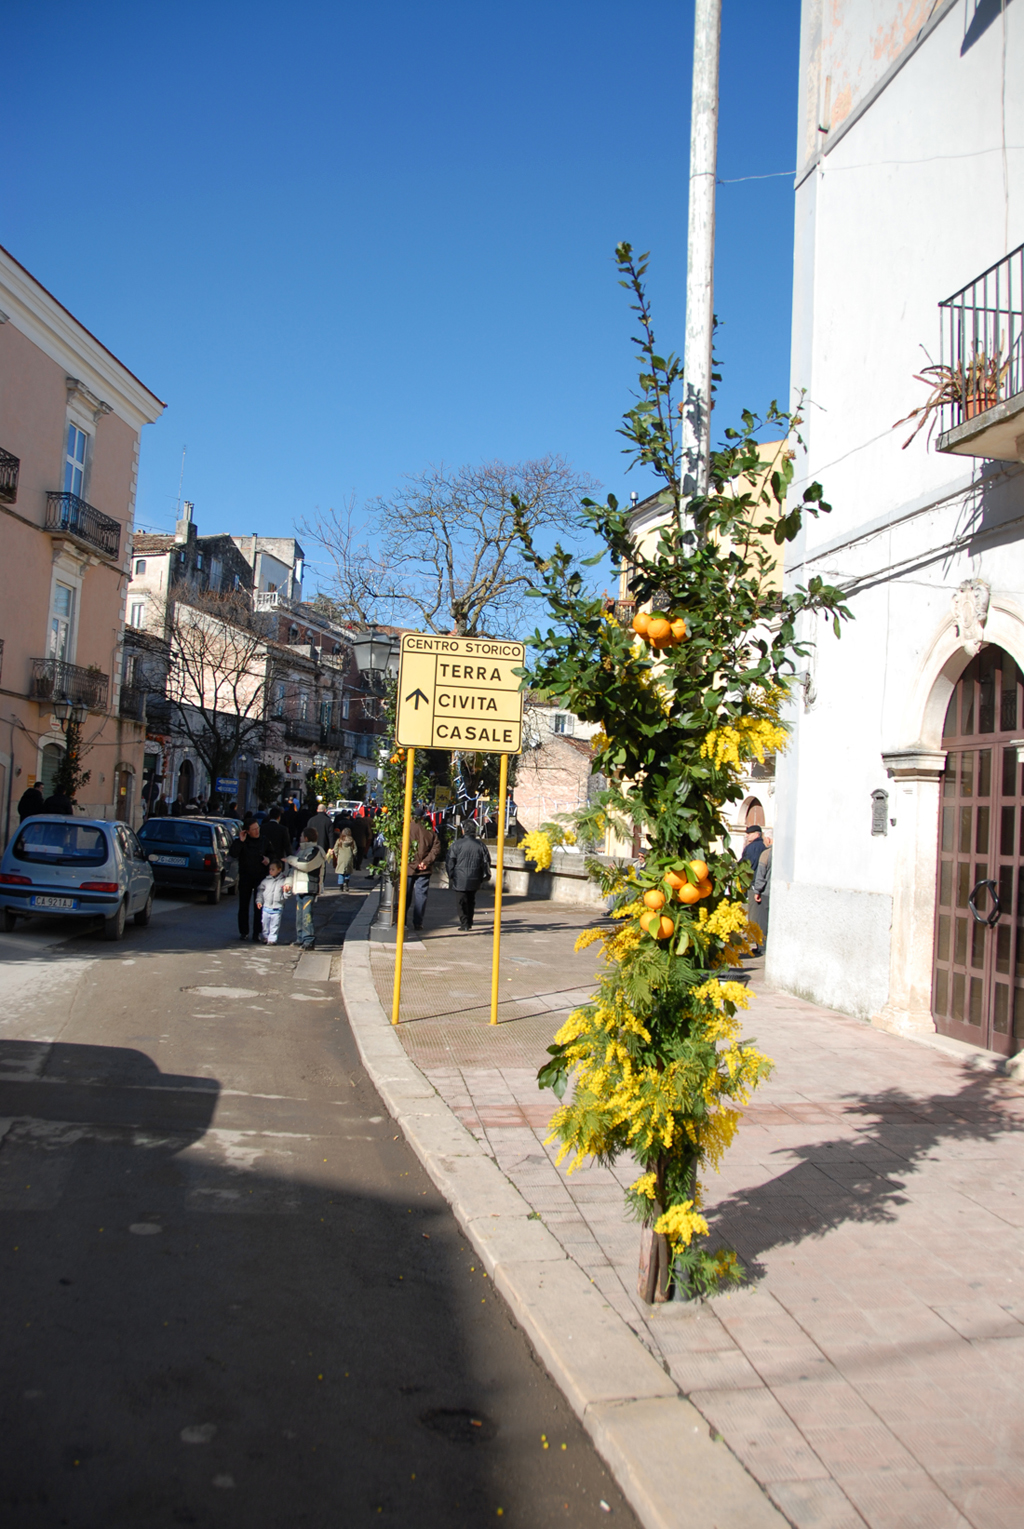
219,670
442,553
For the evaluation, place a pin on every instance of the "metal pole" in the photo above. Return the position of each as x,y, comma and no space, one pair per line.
700,263
403,884
500,872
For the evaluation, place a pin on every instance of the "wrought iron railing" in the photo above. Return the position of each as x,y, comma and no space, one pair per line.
66,512
981,361
10,466
53,680
301,732
133,702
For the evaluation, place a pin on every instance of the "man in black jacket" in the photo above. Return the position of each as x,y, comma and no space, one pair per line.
251,853
276,837
29,803
469,866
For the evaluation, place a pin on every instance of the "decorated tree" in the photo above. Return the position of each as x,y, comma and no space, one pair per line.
685,697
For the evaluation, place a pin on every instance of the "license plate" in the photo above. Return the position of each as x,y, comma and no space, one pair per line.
53,902
169,859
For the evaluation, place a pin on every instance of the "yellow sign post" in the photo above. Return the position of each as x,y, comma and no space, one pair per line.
457,693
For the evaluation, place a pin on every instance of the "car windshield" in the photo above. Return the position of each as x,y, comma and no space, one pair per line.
174,831
62,843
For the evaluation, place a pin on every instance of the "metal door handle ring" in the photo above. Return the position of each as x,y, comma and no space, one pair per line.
991,918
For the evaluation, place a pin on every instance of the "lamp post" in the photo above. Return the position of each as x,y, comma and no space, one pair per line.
70,715
377,654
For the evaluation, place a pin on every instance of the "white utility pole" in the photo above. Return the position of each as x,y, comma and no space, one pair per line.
700,263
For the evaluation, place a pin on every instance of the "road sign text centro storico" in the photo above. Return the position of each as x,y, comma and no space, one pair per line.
460,693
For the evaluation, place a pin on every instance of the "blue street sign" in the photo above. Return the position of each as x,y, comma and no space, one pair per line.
227,783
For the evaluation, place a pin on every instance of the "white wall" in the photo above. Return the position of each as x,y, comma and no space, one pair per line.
915,200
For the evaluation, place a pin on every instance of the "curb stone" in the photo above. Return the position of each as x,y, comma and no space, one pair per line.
656,1444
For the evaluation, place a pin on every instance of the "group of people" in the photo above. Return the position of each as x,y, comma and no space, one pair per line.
274,866
32,802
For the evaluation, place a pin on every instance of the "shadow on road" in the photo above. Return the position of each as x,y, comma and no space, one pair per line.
191,1340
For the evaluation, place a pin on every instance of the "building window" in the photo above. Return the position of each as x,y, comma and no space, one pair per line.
74,464
564,722
271,589
216,572
199,562
137,615
344,708
140,565
325,713
60,622
279,700
303,705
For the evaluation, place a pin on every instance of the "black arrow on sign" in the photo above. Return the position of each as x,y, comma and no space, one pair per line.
416,697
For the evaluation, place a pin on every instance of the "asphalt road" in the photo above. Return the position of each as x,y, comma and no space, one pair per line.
231,1296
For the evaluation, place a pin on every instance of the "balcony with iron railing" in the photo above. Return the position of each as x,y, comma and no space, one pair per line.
296,730
10,466
54,680
70,516
133,702
981,364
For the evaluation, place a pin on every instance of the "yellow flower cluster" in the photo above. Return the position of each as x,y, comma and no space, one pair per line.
646,1185
743,739
536,846
680,1224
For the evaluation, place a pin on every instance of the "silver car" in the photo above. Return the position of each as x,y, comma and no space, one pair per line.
76,868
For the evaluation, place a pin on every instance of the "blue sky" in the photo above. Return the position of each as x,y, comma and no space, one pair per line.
344,241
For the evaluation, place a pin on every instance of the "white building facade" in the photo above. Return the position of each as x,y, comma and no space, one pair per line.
900,799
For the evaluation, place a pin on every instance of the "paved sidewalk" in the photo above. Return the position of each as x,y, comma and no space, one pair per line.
873,1370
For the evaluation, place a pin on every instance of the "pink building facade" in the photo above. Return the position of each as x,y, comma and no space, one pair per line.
71,418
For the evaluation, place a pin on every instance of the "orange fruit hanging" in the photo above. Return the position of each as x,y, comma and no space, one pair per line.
654,899
659,629
665,927
646,920
699,869
679,629
688,893
704,889
675,879
640,623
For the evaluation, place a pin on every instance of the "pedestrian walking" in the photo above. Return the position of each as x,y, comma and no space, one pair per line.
307,866
30,802
251,853
469,866
424,848
760,894
59,803
321,822
270,901
342,856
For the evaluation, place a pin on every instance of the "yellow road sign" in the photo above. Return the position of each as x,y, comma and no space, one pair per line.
460,693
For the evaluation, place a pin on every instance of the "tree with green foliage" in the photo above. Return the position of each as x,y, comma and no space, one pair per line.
685,698
69,777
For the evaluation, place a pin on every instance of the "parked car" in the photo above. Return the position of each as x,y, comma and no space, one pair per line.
233,825
190,854
78,868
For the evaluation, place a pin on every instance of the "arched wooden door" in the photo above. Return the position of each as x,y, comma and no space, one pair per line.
978,977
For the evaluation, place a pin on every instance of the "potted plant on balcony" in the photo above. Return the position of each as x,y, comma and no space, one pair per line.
92,685
973,386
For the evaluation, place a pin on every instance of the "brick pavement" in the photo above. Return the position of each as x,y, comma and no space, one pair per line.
872,1370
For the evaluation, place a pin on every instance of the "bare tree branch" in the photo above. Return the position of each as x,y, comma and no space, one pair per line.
442,553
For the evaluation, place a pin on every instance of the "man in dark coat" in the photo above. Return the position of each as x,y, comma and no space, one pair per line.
276,836
251,853
59,804
469,866
424,848
320,822
753,849
29,803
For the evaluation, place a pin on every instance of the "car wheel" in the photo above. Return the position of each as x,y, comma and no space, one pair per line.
113,928
144,914
213,895
10,919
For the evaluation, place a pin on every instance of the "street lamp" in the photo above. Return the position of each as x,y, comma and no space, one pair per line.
69,712
376,652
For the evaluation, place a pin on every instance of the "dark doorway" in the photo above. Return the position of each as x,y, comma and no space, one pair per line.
978,978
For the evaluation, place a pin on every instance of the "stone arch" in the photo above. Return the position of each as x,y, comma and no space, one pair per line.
916,767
